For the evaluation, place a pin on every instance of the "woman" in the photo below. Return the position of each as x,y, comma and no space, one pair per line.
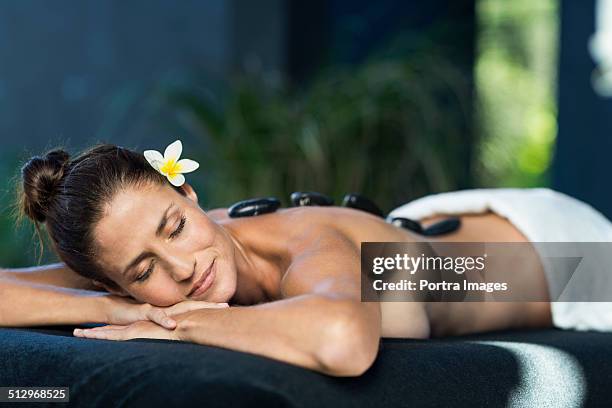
170,269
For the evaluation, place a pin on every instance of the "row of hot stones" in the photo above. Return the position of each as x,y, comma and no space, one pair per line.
258,206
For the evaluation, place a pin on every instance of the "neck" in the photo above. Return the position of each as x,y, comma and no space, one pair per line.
258,265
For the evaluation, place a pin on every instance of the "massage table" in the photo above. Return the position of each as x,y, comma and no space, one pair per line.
513,368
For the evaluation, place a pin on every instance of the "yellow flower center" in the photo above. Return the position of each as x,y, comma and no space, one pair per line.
171,168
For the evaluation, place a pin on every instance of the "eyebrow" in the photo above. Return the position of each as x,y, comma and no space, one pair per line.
158,231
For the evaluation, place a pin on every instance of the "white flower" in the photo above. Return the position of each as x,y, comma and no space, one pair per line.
169,164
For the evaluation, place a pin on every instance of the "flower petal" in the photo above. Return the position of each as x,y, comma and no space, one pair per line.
173,151
176,179
187,165
154,158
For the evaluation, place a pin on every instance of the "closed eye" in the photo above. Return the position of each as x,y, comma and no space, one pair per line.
174,234
148,272
180,227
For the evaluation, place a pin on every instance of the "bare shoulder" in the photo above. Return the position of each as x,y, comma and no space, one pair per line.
292,231
323,258
316,228
217,214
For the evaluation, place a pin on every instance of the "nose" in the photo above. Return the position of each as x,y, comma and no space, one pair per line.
180,265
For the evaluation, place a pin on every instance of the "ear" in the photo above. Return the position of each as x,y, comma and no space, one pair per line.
189,192
119,291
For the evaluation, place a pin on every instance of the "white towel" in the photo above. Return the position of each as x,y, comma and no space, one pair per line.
542,215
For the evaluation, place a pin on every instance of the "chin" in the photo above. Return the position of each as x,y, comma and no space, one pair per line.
228,294
222,293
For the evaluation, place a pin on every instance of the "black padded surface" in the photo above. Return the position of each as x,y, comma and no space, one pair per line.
561,368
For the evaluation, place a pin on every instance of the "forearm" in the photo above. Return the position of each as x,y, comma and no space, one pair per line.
308,330
57,274
29,304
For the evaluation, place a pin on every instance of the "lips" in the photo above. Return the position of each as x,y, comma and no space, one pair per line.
203,279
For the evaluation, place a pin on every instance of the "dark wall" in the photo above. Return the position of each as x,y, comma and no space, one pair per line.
327,32
583,160
76,71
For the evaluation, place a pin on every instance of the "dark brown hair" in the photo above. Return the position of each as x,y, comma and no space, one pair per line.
69,197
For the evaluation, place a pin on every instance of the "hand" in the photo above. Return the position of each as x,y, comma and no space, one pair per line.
136,330
121,310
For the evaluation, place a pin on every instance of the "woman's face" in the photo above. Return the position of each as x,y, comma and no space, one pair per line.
156,244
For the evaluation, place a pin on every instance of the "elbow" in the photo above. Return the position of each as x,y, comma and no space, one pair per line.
349,347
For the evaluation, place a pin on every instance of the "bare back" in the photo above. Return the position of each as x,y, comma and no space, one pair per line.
408,319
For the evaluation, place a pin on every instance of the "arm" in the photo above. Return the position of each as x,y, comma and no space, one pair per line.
29,304
57,274
321,324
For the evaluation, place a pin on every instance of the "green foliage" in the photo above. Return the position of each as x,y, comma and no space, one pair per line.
389,130
516,80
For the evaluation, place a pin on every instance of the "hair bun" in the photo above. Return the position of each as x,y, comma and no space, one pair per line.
41,177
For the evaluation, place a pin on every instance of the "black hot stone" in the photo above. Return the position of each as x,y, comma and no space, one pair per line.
361,203
301,198
443,227
407,223
254,206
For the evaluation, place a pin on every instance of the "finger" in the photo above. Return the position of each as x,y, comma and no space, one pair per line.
188,306
160,317
206,305
100,334
109,327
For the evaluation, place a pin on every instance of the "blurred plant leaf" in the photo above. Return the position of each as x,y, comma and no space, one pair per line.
391,130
